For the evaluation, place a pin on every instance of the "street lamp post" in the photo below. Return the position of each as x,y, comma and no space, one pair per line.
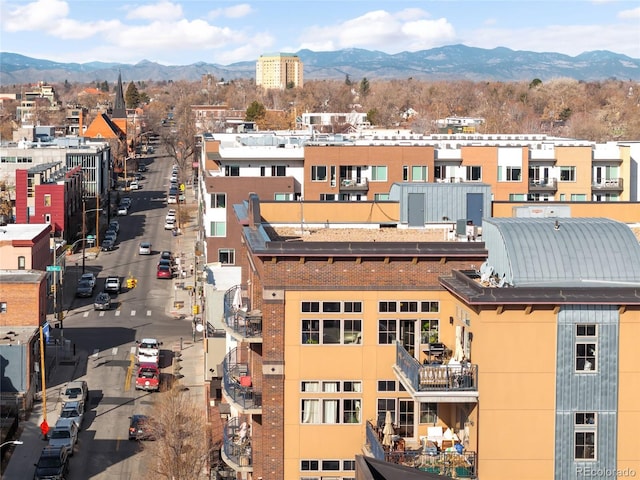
12,442
84,230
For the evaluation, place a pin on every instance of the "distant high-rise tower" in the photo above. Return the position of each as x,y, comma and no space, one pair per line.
279,70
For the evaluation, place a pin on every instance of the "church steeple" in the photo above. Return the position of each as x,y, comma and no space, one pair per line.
119,107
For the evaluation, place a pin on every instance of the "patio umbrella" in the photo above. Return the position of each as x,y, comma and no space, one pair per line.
387,431
237,299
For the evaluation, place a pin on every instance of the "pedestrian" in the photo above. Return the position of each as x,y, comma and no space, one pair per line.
191,268
44,428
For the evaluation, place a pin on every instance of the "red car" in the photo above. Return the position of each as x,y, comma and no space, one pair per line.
164,271
148,377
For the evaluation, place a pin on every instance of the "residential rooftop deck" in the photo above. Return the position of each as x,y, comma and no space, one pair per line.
319,234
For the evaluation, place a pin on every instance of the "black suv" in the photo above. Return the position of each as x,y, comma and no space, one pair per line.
53,464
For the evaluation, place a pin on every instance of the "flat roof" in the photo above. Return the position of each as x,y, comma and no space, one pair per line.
21,276
365,234
21,231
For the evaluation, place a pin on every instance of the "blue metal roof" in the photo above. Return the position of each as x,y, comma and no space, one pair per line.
562,251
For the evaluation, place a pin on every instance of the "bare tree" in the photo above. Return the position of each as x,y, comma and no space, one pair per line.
182,448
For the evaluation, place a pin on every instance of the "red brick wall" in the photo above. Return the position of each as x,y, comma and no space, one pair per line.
26,303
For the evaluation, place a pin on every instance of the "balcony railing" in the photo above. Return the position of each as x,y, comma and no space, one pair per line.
437,378
615,184
452,464
238,385
239,320
236,445
350,184
547,185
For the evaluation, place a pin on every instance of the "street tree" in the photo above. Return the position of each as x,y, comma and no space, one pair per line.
255,112
183,439
132,96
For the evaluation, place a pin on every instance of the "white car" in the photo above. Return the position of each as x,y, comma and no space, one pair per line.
169,223
145,248
172,199
148,348
134,185
89,277
123,210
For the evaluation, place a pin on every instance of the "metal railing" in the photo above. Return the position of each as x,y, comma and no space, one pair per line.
237,383
351,184
247,324
236,444
608,184
424,378
546,185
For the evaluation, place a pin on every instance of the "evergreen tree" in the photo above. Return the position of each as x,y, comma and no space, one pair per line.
255,112
132,96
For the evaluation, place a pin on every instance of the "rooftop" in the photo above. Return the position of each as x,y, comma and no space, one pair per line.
355,234
22,231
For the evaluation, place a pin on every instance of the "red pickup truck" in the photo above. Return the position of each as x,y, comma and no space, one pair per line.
148,377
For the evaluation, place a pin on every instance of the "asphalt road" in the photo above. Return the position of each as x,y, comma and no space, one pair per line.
108,338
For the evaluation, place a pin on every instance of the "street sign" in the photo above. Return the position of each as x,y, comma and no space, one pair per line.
182,187
90,237
54,268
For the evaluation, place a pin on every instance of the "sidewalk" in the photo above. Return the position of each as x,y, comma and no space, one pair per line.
187,366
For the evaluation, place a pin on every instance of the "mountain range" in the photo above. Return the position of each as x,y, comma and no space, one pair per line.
454,62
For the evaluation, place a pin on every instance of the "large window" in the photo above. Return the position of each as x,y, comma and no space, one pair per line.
232,171
428,413
47,200
474,173
218,229
331,410
513,174
567,174
227,256
218,200
387,331
319,173
429,331
379,173
586,343
585,434
331,307
331,332
278,170
419,173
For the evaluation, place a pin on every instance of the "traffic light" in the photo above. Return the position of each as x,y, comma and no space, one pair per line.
195,309
130,283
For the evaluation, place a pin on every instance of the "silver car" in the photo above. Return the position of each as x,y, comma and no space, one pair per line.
75,411
64,434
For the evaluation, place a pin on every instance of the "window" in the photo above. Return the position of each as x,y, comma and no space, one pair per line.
263,171
386,332
381,197
386,405
408,306
330,464
567,174
430,307
47,200
310,387
278,171
218,200
386,385
353,307
405,173
331,331
331,411
428,413
218,229
348,465
585,427
47,218
328,197
349,386
578,197
232,171
309,465
586,342
384,307
474,173
514,174
352,331
331,307
3,307
227,256
379,173
319,173
282,197
310,307
429,331
311,331
21,263
418,173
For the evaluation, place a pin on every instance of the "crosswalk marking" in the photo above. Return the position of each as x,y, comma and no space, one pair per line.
148,313
101,314
133,313
86,314
117,313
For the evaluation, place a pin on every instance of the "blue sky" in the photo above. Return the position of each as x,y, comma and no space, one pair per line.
182,32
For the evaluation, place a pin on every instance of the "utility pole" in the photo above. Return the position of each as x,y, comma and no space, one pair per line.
97,244
84,229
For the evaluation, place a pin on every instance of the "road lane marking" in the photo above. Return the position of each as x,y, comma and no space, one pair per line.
133,313
101,314
117,313
148,313
86,314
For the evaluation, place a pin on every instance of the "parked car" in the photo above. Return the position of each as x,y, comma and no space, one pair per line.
169,224
145,248
53,464
172,199
108,244
148,347
148,377
164,271
123,210
73,410
84,289
142,167
64,434
110,235
77,390
102,301
126,201
134,185
166,255
112,285
114,225
140,429
89,277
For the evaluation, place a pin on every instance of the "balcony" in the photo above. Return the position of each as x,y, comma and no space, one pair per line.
352,185
239,321
236,445
546,185
238,384
453,382
450,464
609,184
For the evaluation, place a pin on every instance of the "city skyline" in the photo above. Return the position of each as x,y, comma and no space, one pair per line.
186,32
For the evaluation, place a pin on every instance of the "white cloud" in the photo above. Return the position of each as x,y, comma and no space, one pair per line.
633,14
39,15
156,11
236,11
382,30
